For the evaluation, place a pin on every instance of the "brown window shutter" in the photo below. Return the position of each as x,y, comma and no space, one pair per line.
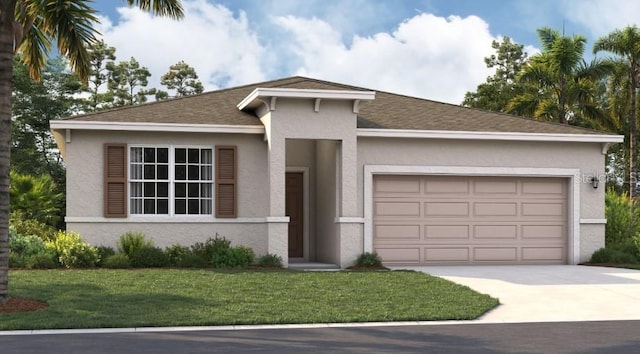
115,180
226,181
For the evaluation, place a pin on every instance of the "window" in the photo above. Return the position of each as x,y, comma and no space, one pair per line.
171,181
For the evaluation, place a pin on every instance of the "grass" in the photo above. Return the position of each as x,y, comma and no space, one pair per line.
171,297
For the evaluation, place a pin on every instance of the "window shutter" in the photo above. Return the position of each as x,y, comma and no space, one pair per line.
115,180
226,181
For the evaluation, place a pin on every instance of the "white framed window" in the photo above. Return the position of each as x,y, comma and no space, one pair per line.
170,180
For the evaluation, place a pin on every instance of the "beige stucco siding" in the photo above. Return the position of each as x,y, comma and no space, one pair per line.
587,158
85,189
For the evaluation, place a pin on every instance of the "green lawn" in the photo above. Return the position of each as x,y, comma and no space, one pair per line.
172,297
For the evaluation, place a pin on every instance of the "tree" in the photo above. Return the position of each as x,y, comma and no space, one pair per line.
499,89
101,54
559,85
30,27
36,198
126,81
182,78
625,43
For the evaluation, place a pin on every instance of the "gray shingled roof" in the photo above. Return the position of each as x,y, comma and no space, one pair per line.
387,111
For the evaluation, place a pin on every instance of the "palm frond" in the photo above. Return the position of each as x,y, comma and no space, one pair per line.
168,8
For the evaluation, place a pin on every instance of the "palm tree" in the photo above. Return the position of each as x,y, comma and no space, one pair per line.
626,44
559,85
30,27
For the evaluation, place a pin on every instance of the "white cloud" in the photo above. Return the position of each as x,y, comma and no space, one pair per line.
216,42
426,56
601,17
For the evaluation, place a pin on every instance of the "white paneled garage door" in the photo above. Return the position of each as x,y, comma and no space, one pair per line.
470,220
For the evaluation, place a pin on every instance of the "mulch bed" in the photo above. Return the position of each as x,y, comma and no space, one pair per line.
19,304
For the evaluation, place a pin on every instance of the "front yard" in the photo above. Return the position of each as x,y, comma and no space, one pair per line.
102,298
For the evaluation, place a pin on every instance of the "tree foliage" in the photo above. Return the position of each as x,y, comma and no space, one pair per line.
127,80
101,55
35,197
183,79
499,89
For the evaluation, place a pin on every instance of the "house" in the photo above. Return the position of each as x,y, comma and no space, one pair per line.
321,172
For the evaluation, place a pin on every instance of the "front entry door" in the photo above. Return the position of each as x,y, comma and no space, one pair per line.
295,211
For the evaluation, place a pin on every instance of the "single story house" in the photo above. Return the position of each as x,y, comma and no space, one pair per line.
317,171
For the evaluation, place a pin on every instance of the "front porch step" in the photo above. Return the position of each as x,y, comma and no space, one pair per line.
313,266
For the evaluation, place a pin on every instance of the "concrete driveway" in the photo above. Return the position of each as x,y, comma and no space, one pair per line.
550,293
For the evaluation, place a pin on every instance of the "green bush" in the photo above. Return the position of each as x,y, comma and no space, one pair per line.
369,259
269,260
117,261
44,260
25,226
37,197
16,260
130,242
627,246
71,251
148,257
239,256
104,252
620,225
177,253
210,247
191,260
24,245
610,255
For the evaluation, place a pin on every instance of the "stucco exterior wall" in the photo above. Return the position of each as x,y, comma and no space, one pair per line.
585,157
84,160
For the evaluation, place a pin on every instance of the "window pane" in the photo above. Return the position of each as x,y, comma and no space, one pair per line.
149,172
206,173
205,190
163,206
194,190
194,205
181,206
181,172
205,206
149,155
206,155
194,173
149,206
163,172
181,190
136,154
136,189
136,206
136,171
149,189
194,155
163,155
163,190
181,155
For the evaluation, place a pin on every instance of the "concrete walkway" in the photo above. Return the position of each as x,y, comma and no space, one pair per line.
550,293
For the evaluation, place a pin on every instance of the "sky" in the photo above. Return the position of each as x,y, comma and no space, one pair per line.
432,49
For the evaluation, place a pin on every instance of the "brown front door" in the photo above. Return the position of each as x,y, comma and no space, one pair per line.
294,210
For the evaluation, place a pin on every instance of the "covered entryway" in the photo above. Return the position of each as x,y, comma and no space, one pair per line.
470,220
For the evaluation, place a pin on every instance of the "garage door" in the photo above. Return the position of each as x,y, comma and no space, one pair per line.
470,220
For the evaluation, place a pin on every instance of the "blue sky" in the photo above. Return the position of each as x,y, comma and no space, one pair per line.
425,48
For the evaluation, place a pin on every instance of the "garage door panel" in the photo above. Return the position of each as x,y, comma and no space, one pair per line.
467,220
397,184
397,209
495,231
543,231
446,232
495,209
406,255
460,254
452,209
397,232
543,209
495,254
446,185
543,254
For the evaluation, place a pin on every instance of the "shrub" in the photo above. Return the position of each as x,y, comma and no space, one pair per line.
25,226
191,260
16,260
619,218
627,246
71,251
130,242
44,260
104,252
177,253
37,197
369,259
24,245
210,247
269,260
239,256
610,255
117,261
148,257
